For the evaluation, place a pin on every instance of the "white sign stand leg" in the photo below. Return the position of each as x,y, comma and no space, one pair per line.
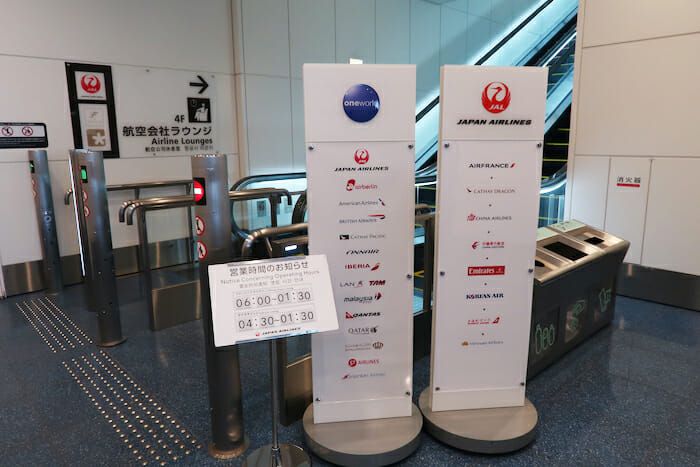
364,442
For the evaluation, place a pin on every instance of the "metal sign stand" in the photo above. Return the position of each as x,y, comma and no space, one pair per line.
92,210
46,220
212,205
275,454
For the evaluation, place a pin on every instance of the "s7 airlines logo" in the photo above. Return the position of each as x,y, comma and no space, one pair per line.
496,97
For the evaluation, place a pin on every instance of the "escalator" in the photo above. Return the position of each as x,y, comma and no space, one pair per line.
555,49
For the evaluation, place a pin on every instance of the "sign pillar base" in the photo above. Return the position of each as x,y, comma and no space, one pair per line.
288,455
485,431
364,442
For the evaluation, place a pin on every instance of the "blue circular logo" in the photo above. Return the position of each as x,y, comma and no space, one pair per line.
361,103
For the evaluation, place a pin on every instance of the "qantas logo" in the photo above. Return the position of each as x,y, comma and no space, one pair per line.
372,314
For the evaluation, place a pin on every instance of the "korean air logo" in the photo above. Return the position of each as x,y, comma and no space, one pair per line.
362,156
361,103
496,97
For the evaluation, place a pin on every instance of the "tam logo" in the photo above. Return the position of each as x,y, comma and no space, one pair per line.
496,97
362,156
90,83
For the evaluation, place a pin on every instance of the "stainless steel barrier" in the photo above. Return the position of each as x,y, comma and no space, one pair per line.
173,304
574,292
46,220
88,180
137,187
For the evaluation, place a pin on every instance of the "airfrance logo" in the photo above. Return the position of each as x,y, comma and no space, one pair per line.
361,103
491,165
496,97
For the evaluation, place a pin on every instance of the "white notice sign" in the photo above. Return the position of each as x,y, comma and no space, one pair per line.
267,299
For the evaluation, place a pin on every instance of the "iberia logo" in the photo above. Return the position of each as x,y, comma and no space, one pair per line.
496,97
90,83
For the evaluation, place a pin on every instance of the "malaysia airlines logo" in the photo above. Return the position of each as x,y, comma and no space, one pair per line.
362,156
496,97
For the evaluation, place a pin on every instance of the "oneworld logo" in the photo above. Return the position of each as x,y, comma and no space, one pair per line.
496,97
361,103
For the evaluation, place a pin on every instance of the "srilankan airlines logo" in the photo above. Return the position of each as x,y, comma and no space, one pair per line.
361,103
496,97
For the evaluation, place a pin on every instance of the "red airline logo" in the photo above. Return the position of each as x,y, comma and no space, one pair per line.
90,83
496,97
362,156
486,270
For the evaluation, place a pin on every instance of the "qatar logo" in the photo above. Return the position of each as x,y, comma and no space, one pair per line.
496,97
90,83
361,103
362,156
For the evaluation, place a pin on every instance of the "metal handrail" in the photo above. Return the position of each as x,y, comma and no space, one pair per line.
247,248
133,186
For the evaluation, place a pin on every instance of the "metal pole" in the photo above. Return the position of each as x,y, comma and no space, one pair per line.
214,246
79,207
276,458
91,172
46,220
145,264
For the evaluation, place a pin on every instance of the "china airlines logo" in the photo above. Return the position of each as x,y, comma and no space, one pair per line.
362,156
496,97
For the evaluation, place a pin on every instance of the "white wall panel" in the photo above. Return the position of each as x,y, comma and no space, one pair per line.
165,33
628,186
425,43
588,192
265,37
478,34
648,94
19,235
480,8
311,34
461,5
269,125
502,11
354,36
393,19
629,20
298,147
673,217
453,37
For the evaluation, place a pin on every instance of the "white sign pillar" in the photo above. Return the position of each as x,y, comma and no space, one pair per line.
360,125
489,164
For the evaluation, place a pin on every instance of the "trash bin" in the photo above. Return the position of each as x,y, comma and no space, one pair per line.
576,268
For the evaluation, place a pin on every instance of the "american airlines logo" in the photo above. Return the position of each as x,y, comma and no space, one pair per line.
371,202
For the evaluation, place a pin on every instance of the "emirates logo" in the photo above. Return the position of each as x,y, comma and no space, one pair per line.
496,97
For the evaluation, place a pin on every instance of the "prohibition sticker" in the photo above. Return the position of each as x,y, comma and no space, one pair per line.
200,225
201,250
85,196
86,210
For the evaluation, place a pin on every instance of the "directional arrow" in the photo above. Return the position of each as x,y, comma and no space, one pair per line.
202,84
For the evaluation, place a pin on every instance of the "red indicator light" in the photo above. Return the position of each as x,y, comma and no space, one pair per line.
198,191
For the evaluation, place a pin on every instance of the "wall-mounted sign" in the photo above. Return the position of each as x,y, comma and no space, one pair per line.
489,164
16,135
360,169
91,98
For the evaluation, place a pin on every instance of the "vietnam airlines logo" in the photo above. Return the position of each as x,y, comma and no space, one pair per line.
496,97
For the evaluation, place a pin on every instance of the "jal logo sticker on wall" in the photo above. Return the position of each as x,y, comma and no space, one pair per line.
361,103
496,97
89,85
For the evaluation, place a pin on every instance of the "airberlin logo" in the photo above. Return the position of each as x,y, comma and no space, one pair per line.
496,97
361,103
363,266
353,362
352,185
486,270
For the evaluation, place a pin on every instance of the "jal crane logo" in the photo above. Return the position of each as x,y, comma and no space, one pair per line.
496,97
362,156
90,83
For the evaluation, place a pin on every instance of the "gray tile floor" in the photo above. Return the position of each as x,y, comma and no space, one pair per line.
627,396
